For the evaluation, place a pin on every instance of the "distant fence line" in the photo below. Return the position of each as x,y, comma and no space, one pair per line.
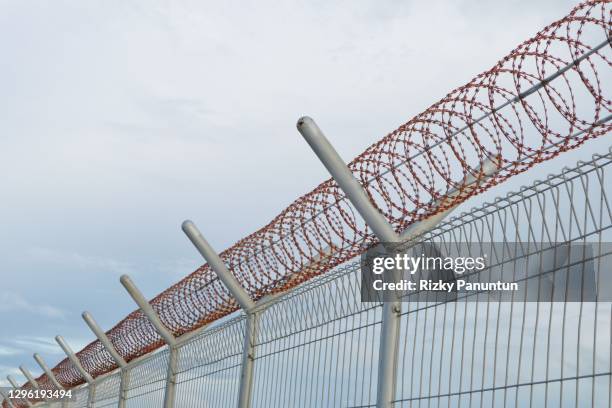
545,97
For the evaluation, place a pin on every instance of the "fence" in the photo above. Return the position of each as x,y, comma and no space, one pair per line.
306,338
318,344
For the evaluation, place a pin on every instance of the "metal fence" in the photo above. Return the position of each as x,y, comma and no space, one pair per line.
318,345
303,337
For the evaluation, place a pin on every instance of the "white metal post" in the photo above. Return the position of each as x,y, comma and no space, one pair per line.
165,334
388,354
73,358
248,360
245,302
91,386
387,366
16,387
216,263
124,383
27,374
170,395
345,179
49,373
6,398
123,370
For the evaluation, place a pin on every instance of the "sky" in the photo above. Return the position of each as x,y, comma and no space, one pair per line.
120,119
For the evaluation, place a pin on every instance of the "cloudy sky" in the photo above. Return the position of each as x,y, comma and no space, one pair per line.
121,119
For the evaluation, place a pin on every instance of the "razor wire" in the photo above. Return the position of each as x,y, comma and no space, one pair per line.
544,98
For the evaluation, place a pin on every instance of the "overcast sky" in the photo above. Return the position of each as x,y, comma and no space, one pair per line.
121,119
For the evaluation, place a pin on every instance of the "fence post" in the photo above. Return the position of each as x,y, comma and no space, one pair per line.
16,387
165,334
49,373
388,352
6,398
91,386
389,337
27,374
245,302
123,370
248,360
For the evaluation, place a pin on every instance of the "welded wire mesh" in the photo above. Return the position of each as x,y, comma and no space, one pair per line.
209,367
147,381
107,391
80,398
545,97
317,345
545,353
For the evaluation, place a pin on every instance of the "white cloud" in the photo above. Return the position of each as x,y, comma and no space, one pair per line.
15,302
9,351
38,344
86,263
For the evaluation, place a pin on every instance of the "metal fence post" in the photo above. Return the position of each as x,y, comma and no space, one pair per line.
6,399
27,374
49,373
123,370
16,387
245,302
124,383
387,366
165,334
91,386
388,352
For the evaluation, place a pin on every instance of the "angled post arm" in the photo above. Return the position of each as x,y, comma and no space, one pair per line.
243,299
164,333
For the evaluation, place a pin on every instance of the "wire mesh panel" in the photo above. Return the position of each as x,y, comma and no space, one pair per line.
79,398
209,367
546,353
107,391
148,381
317,346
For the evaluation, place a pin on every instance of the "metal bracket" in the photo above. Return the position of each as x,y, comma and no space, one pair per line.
245,302
162,330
